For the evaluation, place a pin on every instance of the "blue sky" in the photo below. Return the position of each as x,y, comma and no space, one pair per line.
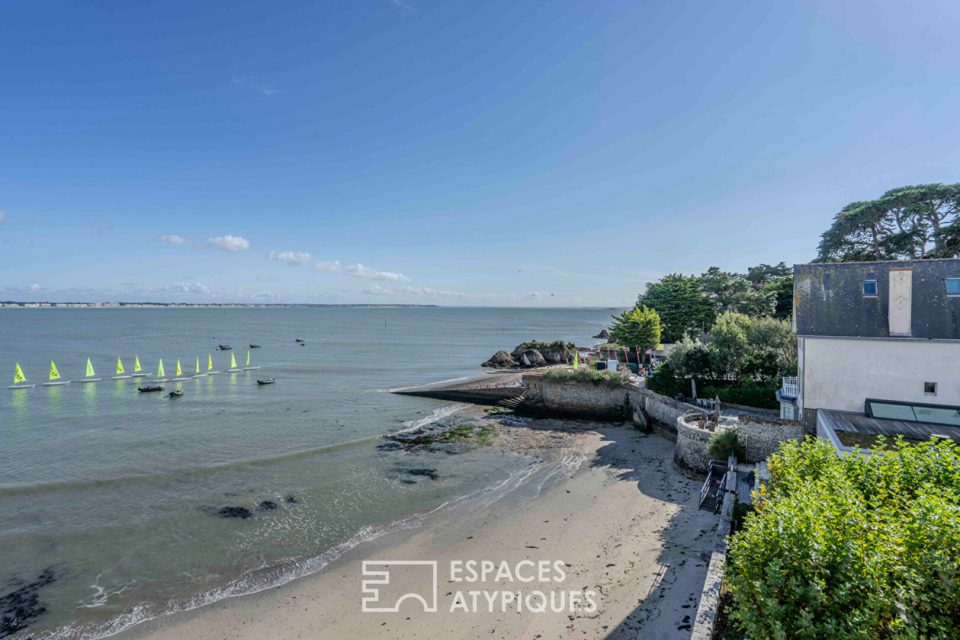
497,153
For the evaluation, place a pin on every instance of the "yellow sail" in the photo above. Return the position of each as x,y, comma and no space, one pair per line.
179,370
160,373
119,366
209,362
136,363
54,374
18,376
198,365
233,361
248,357
576,359
90,372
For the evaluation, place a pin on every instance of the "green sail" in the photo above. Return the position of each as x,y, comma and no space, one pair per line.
119,367
90,372
54,374
18,376
160,373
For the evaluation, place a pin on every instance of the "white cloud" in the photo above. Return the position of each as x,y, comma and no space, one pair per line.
191,287
327,265
229,243
368,273
174,239
293,258
34,286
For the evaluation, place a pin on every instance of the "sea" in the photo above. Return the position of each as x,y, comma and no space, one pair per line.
118,507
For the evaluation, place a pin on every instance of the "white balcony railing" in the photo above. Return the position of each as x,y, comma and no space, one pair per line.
790,386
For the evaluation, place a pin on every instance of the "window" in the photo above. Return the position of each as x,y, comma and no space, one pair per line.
870,289
953,286
913,412
930,388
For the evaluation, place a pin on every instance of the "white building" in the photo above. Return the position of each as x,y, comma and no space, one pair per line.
877,338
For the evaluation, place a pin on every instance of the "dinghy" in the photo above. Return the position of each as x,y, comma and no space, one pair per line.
210,371
90,375
120,374
233,364
149,388
265,381
224,347
161,376
176,393
180,375
137,371
197,373
254,346
55,380
20,380
248,367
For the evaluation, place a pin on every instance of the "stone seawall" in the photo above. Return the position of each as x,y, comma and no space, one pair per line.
761,437
575,399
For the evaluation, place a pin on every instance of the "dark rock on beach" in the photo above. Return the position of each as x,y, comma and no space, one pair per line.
267,505
531,358
234,512
429,473
290,499
500,360
21,606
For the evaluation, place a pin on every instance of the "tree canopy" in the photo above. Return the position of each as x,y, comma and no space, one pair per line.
907,223
734,292
638,328
681,304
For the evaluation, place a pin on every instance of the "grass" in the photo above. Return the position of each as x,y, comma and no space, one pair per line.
611,379
479,434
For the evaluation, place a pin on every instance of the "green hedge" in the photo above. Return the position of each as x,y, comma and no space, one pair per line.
856,547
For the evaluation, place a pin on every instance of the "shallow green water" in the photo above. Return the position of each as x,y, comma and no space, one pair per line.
117,492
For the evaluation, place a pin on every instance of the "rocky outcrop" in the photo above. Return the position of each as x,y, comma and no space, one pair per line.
603,335
531,358
500,360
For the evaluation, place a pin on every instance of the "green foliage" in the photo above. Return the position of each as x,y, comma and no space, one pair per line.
637,328
479,434
681,304
765,273
851,547
723,443
612,379
666,381
781,291
748,393
734,292
906,223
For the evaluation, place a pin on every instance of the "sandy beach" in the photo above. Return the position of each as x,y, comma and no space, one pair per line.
621,519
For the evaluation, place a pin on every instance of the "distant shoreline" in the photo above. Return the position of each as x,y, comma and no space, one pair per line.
10,304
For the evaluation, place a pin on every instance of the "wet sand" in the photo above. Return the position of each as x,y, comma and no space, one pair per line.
625,524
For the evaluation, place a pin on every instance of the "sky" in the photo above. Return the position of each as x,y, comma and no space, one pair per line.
504,153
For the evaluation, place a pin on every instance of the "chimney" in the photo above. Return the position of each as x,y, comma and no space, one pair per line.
901,301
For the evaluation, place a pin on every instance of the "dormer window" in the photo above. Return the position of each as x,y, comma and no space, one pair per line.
870,288
953,286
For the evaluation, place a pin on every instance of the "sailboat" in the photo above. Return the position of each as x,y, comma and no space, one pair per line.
137,371
120,372
180,375
161,376
210,371
233,364
20,380
248,367
198,374
90,375
55,380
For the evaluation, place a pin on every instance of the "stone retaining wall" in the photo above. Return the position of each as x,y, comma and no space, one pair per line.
761,437
576,399
691,452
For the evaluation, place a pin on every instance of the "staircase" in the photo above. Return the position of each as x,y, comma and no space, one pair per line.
511,403
711,495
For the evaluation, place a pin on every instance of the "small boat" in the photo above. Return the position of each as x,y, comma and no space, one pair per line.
224,347
20,380
180,375
300,340
176,393
55,380
266,381
121,374
198,374
233,364
137,371
254,346
90,375
210,371
150,388
248,367
161,376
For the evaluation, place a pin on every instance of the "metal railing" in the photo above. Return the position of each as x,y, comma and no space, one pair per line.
790,386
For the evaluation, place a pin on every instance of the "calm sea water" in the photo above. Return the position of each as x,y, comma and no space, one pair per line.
109,497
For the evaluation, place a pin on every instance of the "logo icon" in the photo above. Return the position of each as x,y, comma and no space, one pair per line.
377,595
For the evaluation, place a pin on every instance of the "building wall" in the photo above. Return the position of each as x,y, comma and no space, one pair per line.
840,373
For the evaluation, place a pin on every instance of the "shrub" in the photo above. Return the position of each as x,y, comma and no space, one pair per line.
612,379
749,394
852,547
723,443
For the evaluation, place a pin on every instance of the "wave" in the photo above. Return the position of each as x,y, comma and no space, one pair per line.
263,579
436,415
